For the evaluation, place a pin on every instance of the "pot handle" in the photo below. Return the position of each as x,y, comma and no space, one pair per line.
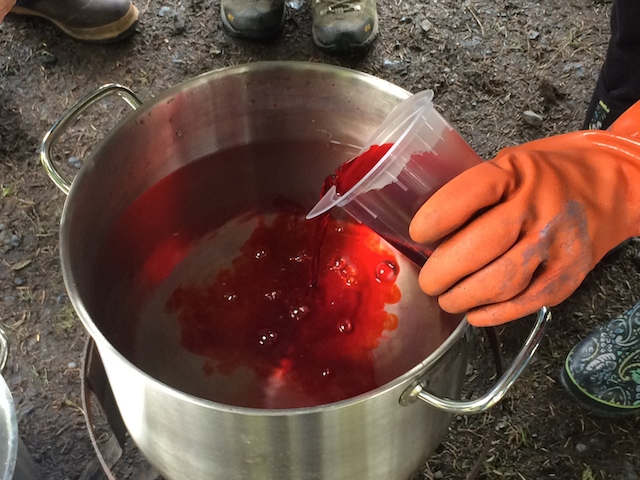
4,350
69,117
418,389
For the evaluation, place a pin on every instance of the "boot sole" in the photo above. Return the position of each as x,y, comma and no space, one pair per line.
111,32
596,407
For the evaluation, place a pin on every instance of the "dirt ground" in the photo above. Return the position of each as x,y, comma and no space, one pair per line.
488,62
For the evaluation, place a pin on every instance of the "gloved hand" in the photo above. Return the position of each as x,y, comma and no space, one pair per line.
524,229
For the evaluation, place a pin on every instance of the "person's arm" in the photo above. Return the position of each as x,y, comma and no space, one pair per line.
524,229
5,7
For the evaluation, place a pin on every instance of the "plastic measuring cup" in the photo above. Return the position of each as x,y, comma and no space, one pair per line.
424,152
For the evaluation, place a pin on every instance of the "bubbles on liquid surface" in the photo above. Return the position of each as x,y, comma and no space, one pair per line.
386,272
326,372
298,313
337,264
267,337
300,257
230,297
271,296
345,326
346,270
260,254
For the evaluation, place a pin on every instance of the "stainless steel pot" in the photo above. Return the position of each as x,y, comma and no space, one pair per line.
383,434
15,461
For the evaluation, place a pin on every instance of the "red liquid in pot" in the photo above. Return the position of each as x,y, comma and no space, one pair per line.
312,341
261,319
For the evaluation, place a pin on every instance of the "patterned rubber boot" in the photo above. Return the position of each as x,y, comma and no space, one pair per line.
602,372
99,21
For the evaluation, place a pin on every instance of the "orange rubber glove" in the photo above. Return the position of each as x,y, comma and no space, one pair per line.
5,7
524,229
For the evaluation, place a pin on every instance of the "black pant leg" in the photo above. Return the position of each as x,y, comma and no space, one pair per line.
618,85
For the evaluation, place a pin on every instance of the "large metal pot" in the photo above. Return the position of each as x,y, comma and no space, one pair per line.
383,434
15,461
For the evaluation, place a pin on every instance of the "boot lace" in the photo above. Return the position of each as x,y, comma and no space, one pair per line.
337,6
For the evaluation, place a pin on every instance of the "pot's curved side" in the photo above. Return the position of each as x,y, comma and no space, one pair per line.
373,438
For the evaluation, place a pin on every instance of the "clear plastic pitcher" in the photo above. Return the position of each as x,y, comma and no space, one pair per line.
424,152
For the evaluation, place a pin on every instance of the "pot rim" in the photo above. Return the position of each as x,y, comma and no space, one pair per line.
103,344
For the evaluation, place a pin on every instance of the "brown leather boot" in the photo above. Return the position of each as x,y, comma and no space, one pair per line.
87,20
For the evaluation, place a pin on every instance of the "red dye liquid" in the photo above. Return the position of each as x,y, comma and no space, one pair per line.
349,173
303,322
313,341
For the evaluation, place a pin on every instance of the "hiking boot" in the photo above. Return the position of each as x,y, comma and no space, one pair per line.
253,19
602,372
344,25
87,20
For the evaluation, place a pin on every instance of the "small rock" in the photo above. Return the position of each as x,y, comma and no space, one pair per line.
72,365
164,11
391,63
502,30
426,25
18,281
532,118
581,447
74,162
469,369
533,35
575,66
179,24
438,474
48,58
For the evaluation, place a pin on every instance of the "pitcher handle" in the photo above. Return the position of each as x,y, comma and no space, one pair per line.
497,392
70,116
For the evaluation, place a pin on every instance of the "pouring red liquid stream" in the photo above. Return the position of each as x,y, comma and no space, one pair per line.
344,178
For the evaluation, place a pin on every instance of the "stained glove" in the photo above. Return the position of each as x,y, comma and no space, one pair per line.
524,229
